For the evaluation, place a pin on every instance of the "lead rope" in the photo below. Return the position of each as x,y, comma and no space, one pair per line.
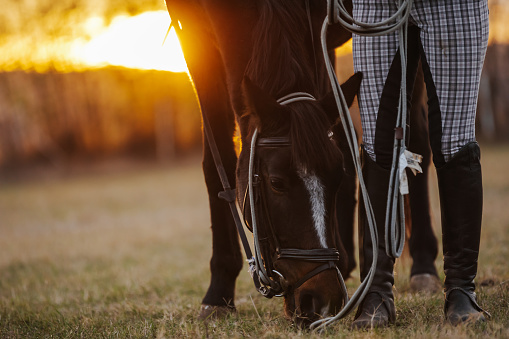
336,12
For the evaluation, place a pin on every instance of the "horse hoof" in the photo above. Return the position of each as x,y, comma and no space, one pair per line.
425,283
209,312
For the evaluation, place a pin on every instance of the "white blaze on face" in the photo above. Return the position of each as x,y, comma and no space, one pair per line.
317,198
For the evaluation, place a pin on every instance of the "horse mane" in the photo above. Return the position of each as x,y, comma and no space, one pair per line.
282,62
280,59
312,149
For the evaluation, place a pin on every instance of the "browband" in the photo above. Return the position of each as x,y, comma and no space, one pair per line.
273,142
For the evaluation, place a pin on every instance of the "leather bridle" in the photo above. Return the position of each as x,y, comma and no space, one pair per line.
270,281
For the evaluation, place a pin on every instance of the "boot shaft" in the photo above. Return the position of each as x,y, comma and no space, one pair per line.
461,200
376,179
377,309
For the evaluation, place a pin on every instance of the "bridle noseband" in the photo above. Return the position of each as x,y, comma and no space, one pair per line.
261,264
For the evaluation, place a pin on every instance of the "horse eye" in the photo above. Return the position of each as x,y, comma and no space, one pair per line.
278,185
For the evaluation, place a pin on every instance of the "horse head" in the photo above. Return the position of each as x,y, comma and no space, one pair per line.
297,167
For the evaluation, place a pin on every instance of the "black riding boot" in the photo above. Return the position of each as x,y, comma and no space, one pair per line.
377,309
460,186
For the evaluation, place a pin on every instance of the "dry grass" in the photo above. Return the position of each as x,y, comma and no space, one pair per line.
125,254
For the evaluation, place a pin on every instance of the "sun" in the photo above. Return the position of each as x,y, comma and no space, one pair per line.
134,42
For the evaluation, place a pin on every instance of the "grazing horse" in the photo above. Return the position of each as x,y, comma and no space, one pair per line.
243,56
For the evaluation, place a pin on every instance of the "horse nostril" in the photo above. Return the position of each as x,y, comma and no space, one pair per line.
306,304
310,306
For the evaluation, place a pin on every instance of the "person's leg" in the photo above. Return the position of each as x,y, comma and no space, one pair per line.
454,36
373,57
377,308
378,59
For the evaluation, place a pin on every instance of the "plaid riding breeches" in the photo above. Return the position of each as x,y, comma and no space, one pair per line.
451,40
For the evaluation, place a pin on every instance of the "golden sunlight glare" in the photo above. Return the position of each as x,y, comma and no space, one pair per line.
134,42
128,41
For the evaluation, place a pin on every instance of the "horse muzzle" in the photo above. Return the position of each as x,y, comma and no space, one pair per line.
318,296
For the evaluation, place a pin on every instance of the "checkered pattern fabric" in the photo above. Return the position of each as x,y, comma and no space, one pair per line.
454,36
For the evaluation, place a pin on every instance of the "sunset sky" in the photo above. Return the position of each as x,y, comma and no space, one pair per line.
135,42
71,35
92,37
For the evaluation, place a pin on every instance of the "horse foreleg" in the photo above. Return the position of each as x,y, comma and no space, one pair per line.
346,201
207,71
345,209
422,243
226,261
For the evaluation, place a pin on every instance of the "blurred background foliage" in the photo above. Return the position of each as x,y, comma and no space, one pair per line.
61,117
59,17
55,111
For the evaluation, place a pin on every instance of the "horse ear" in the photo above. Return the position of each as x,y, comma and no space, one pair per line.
350,89
262,105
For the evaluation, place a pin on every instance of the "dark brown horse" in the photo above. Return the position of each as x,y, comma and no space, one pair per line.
242,56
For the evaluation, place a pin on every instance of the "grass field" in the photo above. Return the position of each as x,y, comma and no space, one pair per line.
113,253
